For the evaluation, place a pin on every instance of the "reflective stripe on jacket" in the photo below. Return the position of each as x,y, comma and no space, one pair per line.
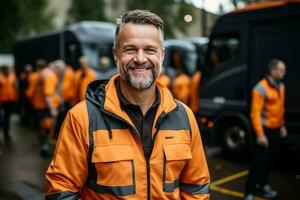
267,109
99,154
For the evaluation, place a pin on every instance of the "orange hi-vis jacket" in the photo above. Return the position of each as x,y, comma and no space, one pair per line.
8,92
267,109
68,82
99,153
33,78
82,81
181,88
45,86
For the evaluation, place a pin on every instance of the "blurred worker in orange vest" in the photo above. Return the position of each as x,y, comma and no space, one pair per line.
194,92
66,80
267,117
66,77
181,88
46,102
32,82
83,77
181,83
164,79
8,96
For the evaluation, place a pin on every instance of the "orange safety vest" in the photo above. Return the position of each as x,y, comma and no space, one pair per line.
267,109
8,92
32,79
181,88
68,82
82,82
45,86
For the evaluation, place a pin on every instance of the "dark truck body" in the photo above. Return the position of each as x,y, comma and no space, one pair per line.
88,38
241,44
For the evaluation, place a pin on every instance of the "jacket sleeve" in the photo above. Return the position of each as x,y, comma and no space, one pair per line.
256,111
67,172
195,178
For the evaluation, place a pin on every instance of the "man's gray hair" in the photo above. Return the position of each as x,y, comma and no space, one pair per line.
273,63
139,17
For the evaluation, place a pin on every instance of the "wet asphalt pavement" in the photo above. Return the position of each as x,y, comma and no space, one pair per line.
22,170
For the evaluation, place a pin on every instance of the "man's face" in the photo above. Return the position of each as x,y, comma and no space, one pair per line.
279,72
84,64
139,55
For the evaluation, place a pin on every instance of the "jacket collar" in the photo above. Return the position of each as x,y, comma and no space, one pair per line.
112,102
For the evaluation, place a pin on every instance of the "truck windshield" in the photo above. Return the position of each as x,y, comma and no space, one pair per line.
222,50
96,51
191,62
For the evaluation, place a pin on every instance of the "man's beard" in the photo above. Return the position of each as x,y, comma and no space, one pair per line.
141,83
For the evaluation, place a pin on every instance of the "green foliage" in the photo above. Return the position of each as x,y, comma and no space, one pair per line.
87,10
20,18
171,13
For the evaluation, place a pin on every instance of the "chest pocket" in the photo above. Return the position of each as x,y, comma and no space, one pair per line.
115,169
175,157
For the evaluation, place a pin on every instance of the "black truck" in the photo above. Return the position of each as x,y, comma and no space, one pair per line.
241,44
87,38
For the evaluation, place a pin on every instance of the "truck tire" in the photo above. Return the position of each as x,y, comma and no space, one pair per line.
234,140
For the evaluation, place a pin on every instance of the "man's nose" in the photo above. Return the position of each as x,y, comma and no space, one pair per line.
140,57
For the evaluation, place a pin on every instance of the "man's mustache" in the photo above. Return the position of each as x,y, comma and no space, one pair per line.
147,65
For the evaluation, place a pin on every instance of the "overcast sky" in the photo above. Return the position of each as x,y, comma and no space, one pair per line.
213,5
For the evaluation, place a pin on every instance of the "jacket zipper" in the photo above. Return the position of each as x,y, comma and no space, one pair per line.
137,134
148,159
158,123
148,177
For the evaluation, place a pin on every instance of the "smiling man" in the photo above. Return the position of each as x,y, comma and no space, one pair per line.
130,139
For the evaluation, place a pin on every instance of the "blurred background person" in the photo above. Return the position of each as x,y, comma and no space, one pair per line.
83,77
164,79
46,103
8,97
105,63
107,67
267,112
30,91
23,100
194,92
66,81
181,83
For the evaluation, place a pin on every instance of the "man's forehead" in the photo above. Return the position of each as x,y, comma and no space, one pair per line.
139,30
281,65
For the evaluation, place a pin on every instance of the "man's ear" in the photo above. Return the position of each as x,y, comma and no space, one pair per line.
114,54
162,55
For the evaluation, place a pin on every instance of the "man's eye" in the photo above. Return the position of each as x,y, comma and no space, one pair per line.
129,51
151,51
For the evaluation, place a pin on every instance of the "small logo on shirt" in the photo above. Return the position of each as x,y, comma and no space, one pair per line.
169,137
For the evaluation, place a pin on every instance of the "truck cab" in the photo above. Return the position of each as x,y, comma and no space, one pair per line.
241,44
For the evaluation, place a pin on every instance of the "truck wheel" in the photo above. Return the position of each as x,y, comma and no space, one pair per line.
234,140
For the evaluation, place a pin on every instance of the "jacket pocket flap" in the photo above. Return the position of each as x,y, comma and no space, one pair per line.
177,152
112,153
